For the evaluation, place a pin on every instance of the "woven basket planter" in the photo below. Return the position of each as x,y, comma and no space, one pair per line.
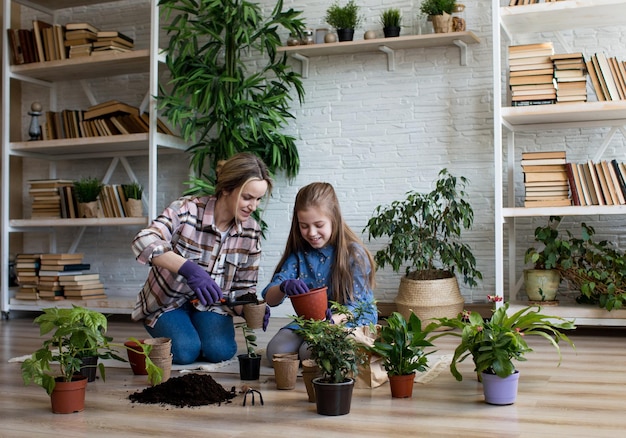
429,299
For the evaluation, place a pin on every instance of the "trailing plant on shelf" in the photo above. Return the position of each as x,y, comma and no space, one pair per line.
76,331
556,252
424,231
222,102
87,189
495,343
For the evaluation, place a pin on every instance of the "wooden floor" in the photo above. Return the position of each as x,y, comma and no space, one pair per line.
584,397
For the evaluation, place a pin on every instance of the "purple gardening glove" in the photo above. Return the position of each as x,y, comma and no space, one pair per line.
266,318
199,280
329,316
293,287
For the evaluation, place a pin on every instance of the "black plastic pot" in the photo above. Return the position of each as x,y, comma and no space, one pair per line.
89,367
345,34
333,398
249,367
391,32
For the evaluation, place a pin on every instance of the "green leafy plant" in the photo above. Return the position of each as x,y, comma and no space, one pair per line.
87,189
556,252
332,348
344,17
134,190
391,17
424,231
598,269
493,344
76,332
437,7
250,338
401,344
222,102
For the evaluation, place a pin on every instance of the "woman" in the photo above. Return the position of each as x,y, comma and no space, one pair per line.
200,249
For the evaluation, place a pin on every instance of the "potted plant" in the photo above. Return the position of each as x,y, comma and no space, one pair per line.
542,282
494,343
338,355
133,193
87,191
401,344
424,232
440,13
249,362
391,20
345,19
223,102
75,331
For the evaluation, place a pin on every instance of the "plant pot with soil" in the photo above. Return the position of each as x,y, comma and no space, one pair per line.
424,236
249,362
345,19
338,356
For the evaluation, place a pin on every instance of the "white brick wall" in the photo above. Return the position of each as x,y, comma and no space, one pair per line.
372,133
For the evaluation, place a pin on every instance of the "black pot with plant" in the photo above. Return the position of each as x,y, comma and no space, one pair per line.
391,20
76,332
424,237
338,356
345,19
223,102
249,362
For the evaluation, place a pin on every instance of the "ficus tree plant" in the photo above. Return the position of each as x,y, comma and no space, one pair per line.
230,90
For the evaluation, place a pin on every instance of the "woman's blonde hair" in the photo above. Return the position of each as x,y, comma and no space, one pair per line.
348,246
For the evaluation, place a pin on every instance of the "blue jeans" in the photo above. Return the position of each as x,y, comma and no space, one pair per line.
196,335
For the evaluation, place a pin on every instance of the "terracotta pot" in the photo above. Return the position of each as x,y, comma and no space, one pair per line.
136,358
249,367
500,390
402,386
69,397
311,305
161,347
254,315
286,372
333,398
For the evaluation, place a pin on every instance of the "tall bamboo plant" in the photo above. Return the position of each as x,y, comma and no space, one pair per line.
222,101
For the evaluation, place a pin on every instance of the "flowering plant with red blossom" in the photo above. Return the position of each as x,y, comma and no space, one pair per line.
495,342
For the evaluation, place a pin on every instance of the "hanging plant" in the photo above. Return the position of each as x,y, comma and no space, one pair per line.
222,102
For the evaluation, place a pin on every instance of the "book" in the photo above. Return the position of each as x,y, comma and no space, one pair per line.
58,273
115,42
81,26
109,108
530,47
38,27
530,72
17,55
542,59
590,173
621,177
572,184
68,267
604,186
607,76
614,181
81,277
82,34
82,287
87,292
543,155
531,80
542,168
545,176
543,161
547,203
114,34
621,88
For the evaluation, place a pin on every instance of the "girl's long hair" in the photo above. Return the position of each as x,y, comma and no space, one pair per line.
348,246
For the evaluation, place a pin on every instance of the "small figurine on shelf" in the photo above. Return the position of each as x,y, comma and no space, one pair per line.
35,129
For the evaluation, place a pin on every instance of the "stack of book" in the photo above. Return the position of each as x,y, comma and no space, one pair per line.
602,183
545,179
26,270
46,197
532,74
608,77
79,38
112,41
570,74
52,267
82,286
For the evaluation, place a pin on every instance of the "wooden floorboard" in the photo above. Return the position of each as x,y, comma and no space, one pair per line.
584,397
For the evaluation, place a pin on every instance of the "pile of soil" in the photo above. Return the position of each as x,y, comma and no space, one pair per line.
185,391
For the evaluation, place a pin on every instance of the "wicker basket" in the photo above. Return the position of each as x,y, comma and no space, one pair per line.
429,299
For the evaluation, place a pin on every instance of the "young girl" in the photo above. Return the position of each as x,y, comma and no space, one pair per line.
321,251
201,249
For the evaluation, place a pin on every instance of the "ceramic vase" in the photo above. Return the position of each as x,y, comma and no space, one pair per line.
500,390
